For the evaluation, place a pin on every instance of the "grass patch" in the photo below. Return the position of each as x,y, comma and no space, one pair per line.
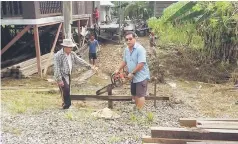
80,114
22,101
114,139
133,118
32,82
150,117
12,130
69,115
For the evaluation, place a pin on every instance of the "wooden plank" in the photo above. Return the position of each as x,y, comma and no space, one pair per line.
217,142
52,50
86,75
17,37
113,98
192,122
217,124
148,139
197,134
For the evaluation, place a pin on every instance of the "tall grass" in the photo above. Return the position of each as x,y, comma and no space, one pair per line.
177,35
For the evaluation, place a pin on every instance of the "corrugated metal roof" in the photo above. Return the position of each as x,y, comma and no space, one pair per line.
106,3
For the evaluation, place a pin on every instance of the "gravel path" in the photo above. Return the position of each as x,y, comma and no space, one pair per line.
53,126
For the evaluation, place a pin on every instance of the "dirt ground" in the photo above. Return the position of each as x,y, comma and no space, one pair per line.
212,100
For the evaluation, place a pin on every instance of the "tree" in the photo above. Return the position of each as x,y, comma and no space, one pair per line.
139,10
216,23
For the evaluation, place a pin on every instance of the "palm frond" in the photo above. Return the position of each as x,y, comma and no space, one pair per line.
183,10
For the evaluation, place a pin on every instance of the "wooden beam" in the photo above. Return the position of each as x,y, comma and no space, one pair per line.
37,47
52,49
47,24
197,134
192,122
109,92
113,98
214,142
148,139
17,37
217,125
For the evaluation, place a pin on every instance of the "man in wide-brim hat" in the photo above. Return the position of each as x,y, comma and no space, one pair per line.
64,61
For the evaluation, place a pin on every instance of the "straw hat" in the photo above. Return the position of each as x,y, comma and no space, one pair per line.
68,43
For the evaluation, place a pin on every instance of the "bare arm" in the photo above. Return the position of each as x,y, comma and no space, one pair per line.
80,61
139,67
122,65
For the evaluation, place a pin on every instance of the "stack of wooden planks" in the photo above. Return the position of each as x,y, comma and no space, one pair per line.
26,68
196,131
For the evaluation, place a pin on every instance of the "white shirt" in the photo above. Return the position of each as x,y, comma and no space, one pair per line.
69,62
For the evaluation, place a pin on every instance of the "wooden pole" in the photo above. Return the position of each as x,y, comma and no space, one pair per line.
86,30
67,11
120,22
78,23
37,47
18,36
52,49
155,91
63,34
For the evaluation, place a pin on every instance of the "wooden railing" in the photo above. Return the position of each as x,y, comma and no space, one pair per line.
40,9
11,9
50,8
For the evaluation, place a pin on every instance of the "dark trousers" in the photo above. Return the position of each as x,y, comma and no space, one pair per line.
65,93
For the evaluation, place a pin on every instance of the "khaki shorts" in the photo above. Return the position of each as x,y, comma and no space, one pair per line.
139,89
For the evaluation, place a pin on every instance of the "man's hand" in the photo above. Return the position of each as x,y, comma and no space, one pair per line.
116,71
130,76
89,67
94,68
61,83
